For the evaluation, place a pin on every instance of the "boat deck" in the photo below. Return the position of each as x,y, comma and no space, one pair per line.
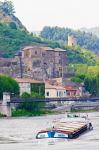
67,127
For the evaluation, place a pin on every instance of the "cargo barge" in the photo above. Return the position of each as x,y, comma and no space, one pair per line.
65,129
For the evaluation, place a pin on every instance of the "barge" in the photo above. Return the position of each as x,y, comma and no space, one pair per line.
68,129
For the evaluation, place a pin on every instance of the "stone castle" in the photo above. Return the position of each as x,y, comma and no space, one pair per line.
37,62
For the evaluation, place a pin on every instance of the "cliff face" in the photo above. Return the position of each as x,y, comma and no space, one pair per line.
7,19
7,15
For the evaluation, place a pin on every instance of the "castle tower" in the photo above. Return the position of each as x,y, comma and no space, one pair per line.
71,40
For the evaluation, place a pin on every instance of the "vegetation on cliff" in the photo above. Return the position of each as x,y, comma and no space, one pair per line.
14,36
89,75
85,40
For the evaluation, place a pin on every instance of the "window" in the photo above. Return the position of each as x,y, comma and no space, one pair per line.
47,93
35,52
57,93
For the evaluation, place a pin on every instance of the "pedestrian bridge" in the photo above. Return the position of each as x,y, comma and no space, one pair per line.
6,103
76,99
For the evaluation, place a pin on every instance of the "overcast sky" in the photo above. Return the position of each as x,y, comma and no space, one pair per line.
35,14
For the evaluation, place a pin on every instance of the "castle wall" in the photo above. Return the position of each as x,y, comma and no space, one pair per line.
37,62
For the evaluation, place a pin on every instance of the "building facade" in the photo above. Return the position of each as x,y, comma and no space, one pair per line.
44,62
36,62
26,85
52,91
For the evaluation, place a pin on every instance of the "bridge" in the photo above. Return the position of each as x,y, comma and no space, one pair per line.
7,102
72,99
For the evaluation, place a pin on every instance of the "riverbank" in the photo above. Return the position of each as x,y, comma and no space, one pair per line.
23,112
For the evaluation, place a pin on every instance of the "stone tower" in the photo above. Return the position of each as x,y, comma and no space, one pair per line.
71,40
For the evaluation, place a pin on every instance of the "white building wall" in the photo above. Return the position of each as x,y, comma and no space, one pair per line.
61,93
25,87
54,93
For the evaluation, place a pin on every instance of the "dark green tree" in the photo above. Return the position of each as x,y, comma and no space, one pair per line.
7,7
25,95
7,84
91,84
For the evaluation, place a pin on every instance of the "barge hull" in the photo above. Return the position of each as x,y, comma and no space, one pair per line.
61,133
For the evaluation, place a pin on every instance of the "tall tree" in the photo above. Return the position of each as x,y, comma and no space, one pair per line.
7,7
7,84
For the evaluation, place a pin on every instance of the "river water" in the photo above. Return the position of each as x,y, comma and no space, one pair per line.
19,134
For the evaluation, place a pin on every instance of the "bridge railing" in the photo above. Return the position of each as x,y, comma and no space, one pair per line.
80,99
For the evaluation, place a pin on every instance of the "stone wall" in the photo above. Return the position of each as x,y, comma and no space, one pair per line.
37,62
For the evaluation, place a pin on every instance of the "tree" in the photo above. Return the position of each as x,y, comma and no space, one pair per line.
7,7
7,84
13,25
25,95
92,84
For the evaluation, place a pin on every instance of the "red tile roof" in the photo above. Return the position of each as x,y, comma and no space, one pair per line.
70,88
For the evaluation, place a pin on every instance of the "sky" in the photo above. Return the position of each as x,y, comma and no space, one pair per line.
35,14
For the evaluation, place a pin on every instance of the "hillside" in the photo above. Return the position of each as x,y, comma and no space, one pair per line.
14,36
94,31
7,15
85,40
77,55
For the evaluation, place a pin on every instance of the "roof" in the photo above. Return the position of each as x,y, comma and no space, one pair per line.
43,48
27,80
47,48
59,50
48,86
70,88
37,47
68,82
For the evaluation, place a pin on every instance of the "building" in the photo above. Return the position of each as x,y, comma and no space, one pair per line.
9,66
36,62
30,85
71,40
52,91
71,91
44,62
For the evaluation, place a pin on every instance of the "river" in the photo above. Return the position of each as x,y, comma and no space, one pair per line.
19,134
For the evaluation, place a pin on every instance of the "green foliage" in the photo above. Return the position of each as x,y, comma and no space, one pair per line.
11,40
8,85
34,108
21,112
38,90
2,115
79,78
91,85
76,79
80,56
84,69
89,75
85,40
25,95
7,7
80,69
13,25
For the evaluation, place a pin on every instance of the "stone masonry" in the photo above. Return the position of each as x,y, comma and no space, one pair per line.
37,62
